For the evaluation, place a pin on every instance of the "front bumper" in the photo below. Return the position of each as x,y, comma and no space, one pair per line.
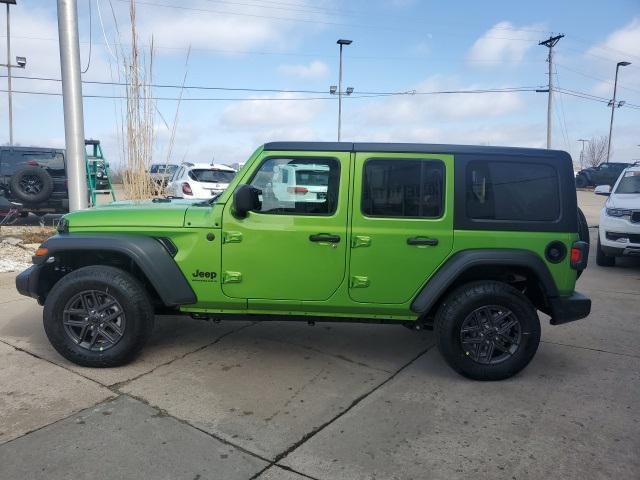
27,282
568,309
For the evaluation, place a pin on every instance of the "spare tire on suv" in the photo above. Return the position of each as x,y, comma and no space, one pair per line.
31,185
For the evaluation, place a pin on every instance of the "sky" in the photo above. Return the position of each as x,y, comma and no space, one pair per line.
410,48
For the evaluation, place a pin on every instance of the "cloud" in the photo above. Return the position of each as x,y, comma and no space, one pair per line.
207,26
314,70
266,115
504,43
621,45
409,109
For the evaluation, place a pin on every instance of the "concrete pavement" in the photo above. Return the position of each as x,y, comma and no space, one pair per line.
283,400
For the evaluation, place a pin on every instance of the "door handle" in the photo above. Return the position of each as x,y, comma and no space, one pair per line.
324,237
432,242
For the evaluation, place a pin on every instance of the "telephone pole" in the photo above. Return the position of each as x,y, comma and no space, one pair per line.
583,141
550,43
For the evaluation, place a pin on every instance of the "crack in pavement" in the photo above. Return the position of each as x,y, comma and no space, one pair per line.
590,348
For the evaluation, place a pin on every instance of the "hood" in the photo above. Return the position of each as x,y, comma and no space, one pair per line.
132,214
630,201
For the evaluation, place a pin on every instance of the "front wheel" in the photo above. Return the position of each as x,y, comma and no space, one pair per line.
602,259
98,316
487,330
581,181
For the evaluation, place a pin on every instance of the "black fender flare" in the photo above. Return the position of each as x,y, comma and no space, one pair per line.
153,259
462,261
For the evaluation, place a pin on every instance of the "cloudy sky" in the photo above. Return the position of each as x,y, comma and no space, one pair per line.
289,46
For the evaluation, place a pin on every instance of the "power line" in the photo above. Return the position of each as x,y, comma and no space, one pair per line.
90,39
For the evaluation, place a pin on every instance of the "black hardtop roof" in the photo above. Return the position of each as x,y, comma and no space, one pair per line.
410,148
31,149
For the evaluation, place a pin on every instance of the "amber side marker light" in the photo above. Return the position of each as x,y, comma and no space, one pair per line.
42,251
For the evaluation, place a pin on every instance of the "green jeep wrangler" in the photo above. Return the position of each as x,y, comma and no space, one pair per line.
469,241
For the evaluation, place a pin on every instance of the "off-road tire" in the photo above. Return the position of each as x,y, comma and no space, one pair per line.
464,300
120,285
602,259
581,182
31,185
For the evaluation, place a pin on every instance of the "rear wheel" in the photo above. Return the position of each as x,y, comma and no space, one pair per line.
602,259
487,330
98,316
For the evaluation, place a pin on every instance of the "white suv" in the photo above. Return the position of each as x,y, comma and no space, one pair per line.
300,182
199,181
619,230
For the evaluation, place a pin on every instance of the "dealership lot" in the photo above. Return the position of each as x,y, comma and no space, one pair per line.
282,400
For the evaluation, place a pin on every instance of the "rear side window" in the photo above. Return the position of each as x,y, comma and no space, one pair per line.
512,191
403,188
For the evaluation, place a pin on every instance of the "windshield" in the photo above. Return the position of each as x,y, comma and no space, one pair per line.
312,178
630,183
163,169
211,176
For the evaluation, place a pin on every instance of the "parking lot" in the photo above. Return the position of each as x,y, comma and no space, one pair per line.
284,400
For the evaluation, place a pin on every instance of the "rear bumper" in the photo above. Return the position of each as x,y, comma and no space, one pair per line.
568,309
27,282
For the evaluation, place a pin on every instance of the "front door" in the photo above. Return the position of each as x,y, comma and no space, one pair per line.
402,224
294,247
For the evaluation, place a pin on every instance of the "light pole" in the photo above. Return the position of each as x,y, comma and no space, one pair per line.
21,62
583,141
613,105
341,42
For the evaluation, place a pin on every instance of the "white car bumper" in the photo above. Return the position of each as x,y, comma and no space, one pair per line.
618,236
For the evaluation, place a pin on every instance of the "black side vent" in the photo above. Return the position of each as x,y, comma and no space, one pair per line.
168,245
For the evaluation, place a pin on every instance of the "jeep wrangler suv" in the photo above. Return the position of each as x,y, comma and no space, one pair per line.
469,241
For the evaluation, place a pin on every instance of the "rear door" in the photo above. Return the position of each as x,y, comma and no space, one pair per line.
402,224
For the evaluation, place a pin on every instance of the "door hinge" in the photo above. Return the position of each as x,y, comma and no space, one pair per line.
359,281
231,237
360,241
231,277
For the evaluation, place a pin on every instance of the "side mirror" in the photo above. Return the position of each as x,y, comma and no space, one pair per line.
603,190
245,200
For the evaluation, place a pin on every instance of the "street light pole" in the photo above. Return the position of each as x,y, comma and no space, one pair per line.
583,141
9,2
613,105
72,103
340,42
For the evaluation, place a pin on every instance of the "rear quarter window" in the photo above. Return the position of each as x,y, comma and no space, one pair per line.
512,191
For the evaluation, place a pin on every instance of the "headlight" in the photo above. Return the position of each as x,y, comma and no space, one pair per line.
63,225
619,212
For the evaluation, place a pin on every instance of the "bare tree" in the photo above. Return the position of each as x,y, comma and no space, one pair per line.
596,151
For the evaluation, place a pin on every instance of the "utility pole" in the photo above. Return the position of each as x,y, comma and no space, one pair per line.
583,141
9,66
72,102
550,43
341,42
613,105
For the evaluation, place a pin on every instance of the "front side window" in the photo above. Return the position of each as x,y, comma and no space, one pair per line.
403,188
300,186
512,191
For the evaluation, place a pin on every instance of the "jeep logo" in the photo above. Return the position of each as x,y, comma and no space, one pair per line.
201,276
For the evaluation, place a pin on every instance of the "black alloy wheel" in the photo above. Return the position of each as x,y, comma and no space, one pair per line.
94,320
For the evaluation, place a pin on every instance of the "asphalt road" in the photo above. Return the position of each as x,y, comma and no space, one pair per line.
284,400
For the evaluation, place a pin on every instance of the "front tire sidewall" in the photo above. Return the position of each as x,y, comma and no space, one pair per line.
125,289
462,303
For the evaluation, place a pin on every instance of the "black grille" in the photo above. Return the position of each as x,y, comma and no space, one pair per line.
633,237
635,217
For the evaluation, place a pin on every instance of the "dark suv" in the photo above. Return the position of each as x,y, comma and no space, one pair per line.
35,178
603,174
